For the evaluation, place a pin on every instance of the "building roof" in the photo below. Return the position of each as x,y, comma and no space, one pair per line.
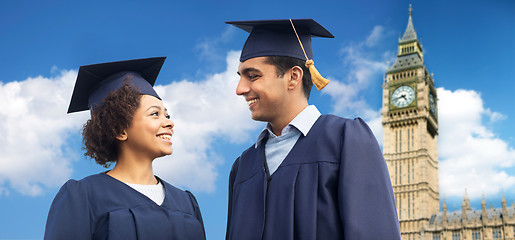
406,62
410,34
410,59
472,215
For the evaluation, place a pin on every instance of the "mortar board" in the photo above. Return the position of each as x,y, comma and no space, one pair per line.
283,37
94,82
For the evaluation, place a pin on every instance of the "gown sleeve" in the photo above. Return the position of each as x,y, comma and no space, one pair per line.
196,208
70,214
366,199
232,177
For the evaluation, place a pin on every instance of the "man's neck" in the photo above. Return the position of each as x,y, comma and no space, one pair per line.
278,126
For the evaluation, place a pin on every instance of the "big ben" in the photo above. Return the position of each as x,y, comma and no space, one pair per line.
410,131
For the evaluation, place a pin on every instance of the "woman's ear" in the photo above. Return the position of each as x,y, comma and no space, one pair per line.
296,77
122,136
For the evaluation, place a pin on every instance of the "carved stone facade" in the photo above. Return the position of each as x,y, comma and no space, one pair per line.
487,223
410,134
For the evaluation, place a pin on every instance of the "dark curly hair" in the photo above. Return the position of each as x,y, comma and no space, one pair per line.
109,121
283,64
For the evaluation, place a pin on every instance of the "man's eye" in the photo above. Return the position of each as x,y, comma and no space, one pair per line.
251,77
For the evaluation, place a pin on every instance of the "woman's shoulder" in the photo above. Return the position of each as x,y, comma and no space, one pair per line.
172,189
84,186
181,197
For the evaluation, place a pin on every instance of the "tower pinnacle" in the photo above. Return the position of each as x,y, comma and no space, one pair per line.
409,34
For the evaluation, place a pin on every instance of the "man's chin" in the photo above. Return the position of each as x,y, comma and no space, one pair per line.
257,117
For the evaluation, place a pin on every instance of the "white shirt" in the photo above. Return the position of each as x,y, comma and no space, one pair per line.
278,147
155,192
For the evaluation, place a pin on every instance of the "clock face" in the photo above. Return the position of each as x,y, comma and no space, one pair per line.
432,103
403,96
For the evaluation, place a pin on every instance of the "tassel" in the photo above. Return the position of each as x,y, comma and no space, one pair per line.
319,81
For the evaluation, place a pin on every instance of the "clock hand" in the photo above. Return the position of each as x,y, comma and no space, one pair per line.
402,96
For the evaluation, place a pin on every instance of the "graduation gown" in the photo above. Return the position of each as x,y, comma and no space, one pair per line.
101,207
333,184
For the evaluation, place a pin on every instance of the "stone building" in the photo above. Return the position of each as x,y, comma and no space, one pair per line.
467,223
410,134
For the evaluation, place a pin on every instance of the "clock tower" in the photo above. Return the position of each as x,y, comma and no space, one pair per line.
410,131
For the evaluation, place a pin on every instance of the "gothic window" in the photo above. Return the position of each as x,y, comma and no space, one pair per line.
412,138
496,233
408,143
396,174
413,204
400,208
409,205
413,208
400,174
408,171
413,171
476,235
437,236
396,141
400,140
456,235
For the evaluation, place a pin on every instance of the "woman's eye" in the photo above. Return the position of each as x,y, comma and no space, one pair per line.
154,114
167,116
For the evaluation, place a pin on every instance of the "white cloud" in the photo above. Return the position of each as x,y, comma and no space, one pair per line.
208,48
204,112
375,36
471,156
34,129
360,62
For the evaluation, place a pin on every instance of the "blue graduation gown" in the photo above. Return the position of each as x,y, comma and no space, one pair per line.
101,207
334,184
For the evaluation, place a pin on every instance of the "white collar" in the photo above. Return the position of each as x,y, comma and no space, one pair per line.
304,121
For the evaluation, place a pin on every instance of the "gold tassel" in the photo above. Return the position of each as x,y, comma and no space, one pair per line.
319,81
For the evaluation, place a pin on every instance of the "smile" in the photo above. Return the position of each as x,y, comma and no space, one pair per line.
165,137
252,101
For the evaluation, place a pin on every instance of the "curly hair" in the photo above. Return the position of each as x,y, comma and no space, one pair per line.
283,64
109,121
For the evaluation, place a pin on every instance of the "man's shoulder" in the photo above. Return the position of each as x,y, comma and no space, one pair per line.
329,121
334,119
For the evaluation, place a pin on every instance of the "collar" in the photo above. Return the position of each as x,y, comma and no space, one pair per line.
302,122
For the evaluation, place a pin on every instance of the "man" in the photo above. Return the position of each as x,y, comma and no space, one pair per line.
309,176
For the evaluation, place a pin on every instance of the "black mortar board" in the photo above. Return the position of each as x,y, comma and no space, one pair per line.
278,38
94,82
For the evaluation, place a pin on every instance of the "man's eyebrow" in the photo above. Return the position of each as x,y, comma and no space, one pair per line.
247,70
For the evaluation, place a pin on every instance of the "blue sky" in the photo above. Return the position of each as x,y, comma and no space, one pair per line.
468,45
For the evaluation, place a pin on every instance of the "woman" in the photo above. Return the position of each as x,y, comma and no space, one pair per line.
129,127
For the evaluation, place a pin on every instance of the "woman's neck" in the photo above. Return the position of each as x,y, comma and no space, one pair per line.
132,170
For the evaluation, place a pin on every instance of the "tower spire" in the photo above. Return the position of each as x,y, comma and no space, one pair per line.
409,54
409,34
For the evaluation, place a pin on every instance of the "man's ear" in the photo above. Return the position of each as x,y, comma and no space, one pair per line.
296,74
123,136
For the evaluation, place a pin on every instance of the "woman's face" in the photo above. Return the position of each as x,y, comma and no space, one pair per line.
151,129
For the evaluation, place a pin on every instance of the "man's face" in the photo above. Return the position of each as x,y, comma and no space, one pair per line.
264,91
